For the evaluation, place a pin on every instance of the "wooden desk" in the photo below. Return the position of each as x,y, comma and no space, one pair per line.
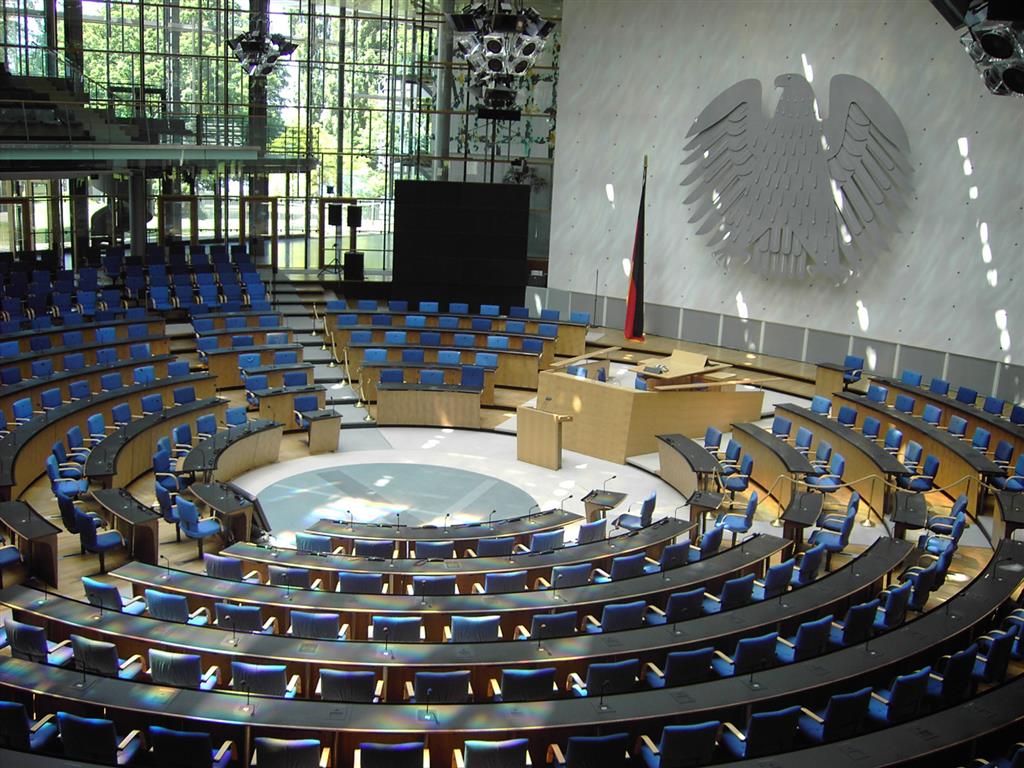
35,536
259,334
773,459
539,437
613,423
803,511
234,511
378,335
223,363
235,450
515,369
369,377
252,319
137,523
154,327
158,345
685,465
324,430
278,404
275,373
418,404
597,503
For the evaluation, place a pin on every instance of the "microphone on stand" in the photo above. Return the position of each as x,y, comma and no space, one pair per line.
600,703
490,517
386,631
540,635
529,512
561,503
604,485
167,573
234,637
446,516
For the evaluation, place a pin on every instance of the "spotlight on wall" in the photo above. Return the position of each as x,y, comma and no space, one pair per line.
995,42
500,41
258,51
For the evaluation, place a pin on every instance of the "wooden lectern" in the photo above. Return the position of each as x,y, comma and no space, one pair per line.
539,437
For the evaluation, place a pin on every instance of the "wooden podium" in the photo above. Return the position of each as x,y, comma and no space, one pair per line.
539,437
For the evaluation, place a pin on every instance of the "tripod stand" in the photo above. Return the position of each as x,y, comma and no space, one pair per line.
333,266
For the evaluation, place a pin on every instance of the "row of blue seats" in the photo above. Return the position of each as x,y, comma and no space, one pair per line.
454,308
73,338
965,395
433,339
203,325
448,323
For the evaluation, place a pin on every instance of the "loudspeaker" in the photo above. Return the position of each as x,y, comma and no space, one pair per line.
334,214
355,216
353,269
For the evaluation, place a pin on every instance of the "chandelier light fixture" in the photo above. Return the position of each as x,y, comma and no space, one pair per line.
500,41
258,51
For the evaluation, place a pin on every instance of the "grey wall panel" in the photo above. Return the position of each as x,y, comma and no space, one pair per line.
1011,383
536,299
661,320
615,314
824,347
971,372
558,299
881,353
740,334
946,275
581,302
701,327
925,361
783,341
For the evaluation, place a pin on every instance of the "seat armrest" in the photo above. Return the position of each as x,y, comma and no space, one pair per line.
457,759
541,583
654,669
588,619
378,688
408,589
838,626
725,658
655,609
879,697
522,631
520,548
136,734
133,659
201,611
599,572
812,715
270,623
212,673
734,731
228,747
469,553
338,551
935,677
712,597
325,757
493,688
478,588
295,684
447,632
409,690
41,722
646,741
318,584
135,599
785,642
574,680
254,574
61,644
555,755
650,561
343,632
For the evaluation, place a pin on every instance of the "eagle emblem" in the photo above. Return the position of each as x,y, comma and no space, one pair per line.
797,194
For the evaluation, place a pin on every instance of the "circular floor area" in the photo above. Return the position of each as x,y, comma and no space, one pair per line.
422,494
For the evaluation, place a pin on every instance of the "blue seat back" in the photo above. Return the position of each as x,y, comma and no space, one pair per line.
433,585
821,405
496,547
475,629
167,607
100,593
187,749
778,578
910,378
688,744
507,581
812,638
527,684
14,726
539,542
966,395
396,629
553,625
771,732
617,616
858,622
607,751
737,592
360,583
373,547
441,687
244,618
684,605
907,695
845,714
612,677
265,679
754,653
686,667
347,685
88,738
315,626
627,566
565,576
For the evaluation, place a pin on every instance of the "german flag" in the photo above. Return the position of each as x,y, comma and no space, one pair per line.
634,329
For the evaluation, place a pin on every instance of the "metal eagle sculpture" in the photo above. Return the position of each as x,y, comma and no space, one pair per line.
796,194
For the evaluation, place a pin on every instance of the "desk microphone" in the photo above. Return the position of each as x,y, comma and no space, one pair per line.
675,512
81,683
604,485
426,714
398,519
561,504
554,588
167,573
446,516
386,631
529,512
600,703
234,637
490,518
540,636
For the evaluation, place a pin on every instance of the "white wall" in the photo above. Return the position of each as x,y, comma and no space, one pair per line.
635,74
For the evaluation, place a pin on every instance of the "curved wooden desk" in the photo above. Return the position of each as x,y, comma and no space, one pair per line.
223,362
155,326
278,403
449,405
159,344
773,458
369,377
515,368
259,334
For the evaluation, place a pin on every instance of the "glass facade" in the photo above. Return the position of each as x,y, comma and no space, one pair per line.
371,96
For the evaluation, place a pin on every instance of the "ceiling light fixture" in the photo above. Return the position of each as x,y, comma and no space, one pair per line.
258,51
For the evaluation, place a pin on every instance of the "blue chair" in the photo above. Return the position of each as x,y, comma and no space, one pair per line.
290,753
931,414
412,355
350,686
902,701
981,439
832,480
835,542
617,616
781,427
410,754
41,369
710,542
877,394
923,482
501,546
1017,414
739,481
291,577
605,678
253,383
776,580
821,405
361,583
871,428
9,555
847,416
314,544
97,543
1013,482
525,685
440,688
802,441
609,751
471,376
108,597
431,377
938,386
543,626
767,733
546,540
29,643
19,733
950,681
235,417
672,556
681,745
168,607
195,527
97,657
937,543
994,653
751,655
735,593
206,425
681,668
910,378
392,376
904,403
396,629
857,625
966,395
1002,455
473,629
303,404
893,440
395,338
636,522
811,639
842,718
833,521
712,440
510,753
383,548
623,567
449,357
96,741
735,521
187,749
430,339
680,606
481,324
504,582
228,568
65,480
490,310
264,679
433,585
893,609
